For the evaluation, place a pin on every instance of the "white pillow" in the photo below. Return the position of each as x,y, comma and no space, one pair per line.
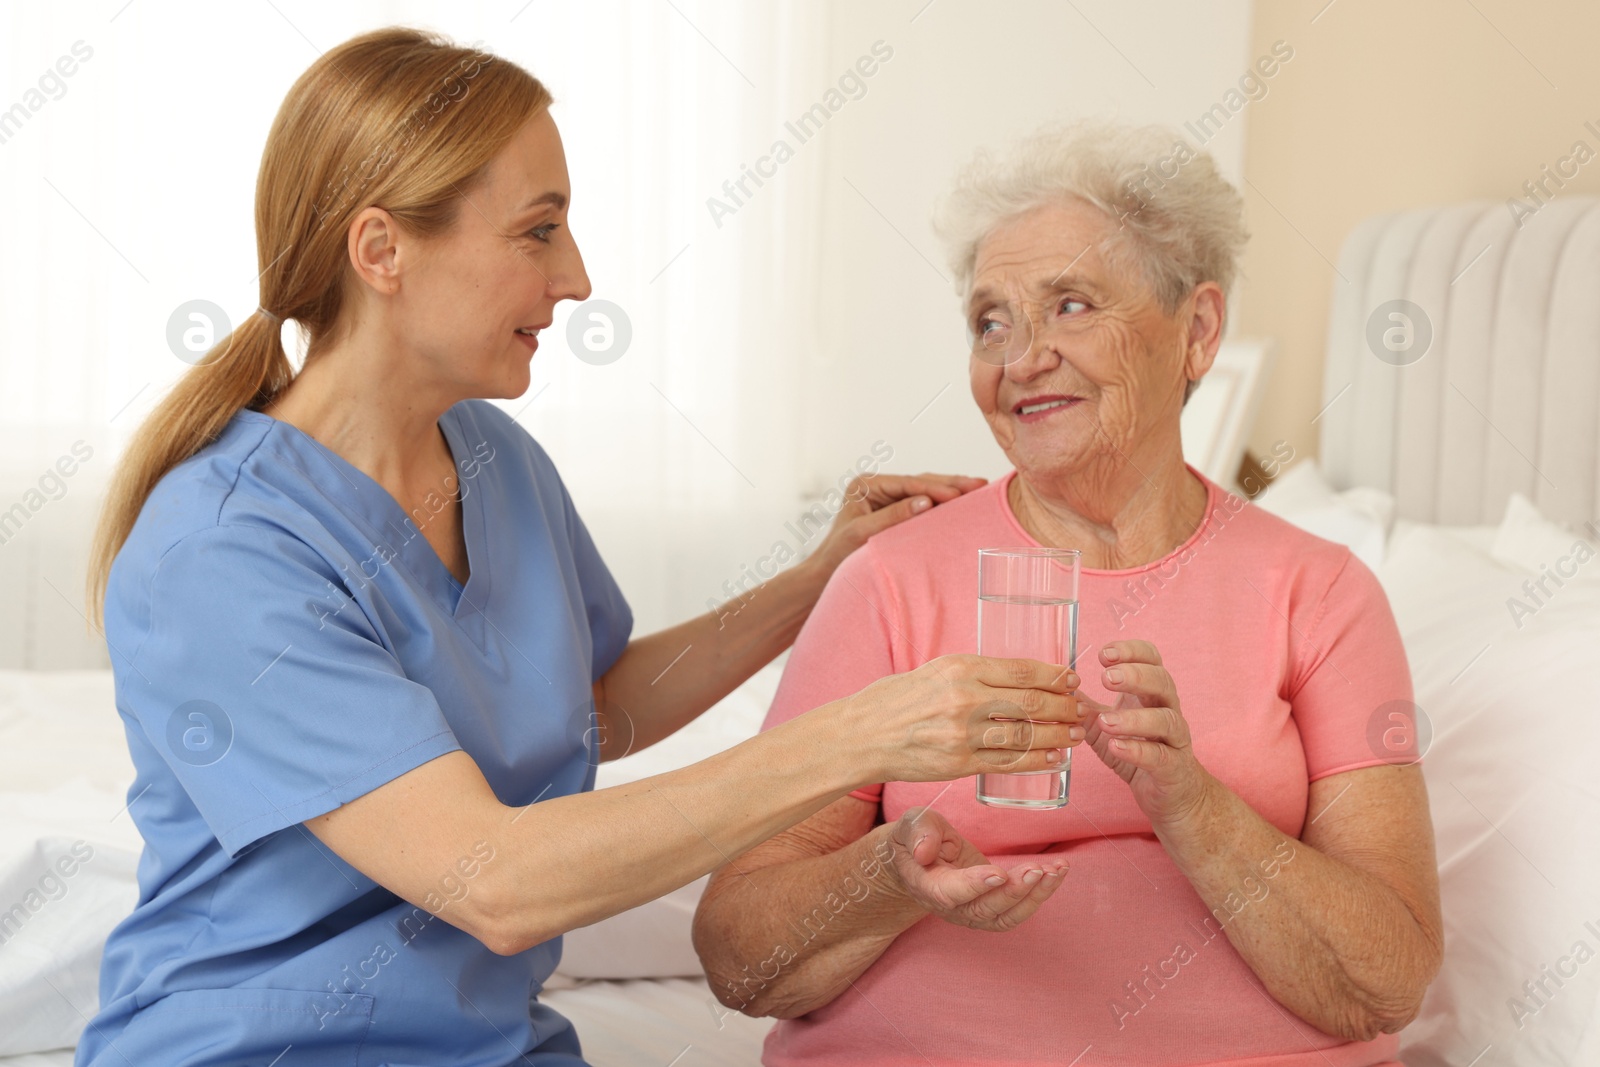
653,940
64,774
1509,770
66,878
1528,540
1357,518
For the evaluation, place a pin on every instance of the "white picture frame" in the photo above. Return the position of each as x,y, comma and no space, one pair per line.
1218,418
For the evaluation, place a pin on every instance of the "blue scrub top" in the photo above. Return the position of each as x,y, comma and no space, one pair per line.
283,640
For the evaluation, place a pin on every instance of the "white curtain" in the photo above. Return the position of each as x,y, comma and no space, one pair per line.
129,187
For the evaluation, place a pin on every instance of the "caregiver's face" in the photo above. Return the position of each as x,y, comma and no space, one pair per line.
502,268
1073,358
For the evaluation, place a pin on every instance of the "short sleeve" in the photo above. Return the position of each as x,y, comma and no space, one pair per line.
266,688
1351,693
844,646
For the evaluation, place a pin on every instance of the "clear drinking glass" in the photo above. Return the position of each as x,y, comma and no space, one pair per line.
1028,609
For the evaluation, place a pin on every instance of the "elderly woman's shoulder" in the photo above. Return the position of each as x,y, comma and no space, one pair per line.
980,512
1274,538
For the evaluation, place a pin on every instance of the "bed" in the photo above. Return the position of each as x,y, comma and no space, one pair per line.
1466,474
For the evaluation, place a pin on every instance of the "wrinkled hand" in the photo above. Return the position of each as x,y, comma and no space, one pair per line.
1144,737
945,875
875,502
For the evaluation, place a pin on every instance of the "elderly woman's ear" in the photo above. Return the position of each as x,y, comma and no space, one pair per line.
1206,319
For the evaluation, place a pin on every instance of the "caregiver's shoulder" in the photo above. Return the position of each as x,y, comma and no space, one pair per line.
207,491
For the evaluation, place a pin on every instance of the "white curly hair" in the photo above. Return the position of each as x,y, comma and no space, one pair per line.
1181,221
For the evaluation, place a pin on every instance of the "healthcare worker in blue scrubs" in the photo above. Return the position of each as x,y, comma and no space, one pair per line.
368,657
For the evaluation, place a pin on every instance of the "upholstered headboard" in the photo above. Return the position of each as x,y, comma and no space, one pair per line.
1463,360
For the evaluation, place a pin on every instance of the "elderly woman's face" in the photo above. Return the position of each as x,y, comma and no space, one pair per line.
1073,358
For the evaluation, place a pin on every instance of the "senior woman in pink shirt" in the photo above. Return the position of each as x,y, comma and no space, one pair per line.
1252,863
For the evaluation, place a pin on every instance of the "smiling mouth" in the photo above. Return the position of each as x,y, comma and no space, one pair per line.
1044,405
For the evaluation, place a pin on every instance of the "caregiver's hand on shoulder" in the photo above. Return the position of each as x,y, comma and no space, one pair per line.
875,502
943,873
961,715
1144,737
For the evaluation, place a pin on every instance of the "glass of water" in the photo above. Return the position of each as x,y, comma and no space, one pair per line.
1028,609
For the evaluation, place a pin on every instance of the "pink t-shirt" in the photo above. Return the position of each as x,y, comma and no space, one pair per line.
1285,654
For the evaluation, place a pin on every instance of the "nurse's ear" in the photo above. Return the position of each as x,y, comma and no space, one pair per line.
373,242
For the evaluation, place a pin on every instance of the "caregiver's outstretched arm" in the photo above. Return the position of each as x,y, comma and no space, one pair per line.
663,681
570,861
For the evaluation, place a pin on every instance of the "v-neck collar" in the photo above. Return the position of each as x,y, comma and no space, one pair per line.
396,537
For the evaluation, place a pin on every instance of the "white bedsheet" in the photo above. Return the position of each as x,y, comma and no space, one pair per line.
649,1022
58,1058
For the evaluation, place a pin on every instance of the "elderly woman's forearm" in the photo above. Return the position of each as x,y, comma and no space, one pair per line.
786,939
1344,951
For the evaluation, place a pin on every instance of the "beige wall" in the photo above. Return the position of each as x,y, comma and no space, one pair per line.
1388,106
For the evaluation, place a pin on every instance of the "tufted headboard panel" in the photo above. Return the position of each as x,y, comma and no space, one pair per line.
1463,361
